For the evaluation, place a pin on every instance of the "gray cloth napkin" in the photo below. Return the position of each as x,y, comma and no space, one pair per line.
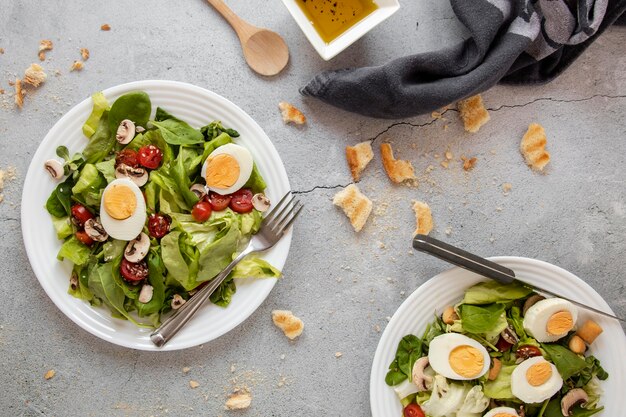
513,41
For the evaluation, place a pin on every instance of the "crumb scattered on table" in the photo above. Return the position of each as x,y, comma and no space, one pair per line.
397,170
105,27
34,75
291,325
338,354
469,163
19,94
194,384
423,218
533,147
50,374
44,45
239,400
291,114
473,113
84,52
77,66
186,370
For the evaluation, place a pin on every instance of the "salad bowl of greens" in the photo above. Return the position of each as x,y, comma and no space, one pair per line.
417,335
188,239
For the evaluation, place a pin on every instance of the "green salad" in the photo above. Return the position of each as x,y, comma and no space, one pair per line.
151,210
503,351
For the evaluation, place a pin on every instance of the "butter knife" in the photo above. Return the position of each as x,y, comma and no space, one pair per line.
486,268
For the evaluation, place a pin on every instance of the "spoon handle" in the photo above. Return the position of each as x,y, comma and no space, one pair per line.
244,29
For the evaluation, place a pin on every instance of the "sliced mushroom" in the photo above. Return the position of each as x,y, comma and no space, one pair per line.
260,202
177,302
125,131
140,129
509,335
199,190
574,397
145,295
54,168
137,175
95,230
137,249
74,282
421,380
532,300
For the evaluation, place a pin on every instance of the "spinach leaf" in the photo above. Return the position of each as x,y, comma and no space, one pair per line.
566,361
215,129
63,152
488,292
480,319
409,350
592,368
59,202
135,106
394,375
434,329
100,105
176,131
156,271
554,410
114,294
102,141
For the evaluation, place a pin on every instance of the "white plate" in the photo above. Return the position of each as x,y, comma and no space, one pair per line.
198,107
447,289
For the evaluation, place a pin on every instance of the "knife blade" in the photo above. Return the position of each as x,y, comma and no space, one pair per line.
487,268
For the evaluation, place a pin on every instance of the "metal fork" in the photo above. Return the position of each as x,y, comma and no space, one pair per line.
274,226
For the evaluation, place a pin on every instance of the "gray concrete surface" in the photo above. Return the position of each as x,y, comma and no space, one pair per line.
343,285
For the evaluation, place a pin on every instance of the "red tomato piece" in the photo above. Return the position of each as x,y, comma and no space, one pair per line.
413,410
527,351
158,225
150,156
84,238
218,202
503,345
201,211
241,201
132,272
80,214
127,157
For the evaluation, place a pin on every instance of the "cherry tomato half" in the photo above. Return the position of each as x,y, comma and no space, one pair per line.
413,410
84,238
127,157
132,272
80,214
527,351
218,202
158,225
241,201
201,211
503,345
150,156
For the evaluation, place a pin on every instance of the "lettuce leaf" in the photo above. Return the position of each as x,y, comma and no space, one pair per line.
500,388
74,251
62,226
100,105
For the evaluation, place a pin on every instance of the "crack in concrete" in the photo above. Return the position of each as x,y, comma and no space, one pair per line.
556,100
322,187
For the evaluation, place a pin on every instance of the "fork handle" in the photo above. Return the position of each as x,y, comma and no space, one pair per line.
177,321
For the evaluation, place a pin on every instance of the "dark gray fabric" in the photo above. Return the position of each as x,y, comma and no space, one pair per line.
511,40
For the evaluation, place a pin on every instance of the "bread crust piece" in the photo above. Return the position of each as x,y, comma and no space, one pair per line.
288,323
473,113
355,205
19,94
533,147
358,157
423,218
397,170
291,114
34,75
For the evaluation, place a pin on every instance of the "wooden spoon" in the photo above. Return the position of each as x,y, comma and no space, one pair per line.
265,51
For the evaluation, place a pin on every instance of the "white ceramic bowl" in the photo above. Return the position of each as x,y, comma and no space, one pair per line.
329,50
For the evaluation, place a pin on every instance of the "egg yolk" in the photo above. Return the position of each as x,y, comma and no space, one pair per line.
560,323
120,201
466,361
222,171
538,374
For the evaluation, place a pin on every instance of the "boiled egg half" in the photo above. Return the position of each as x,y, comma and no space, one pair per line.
122,209
535,380
227,168
502,412
550,319
459,357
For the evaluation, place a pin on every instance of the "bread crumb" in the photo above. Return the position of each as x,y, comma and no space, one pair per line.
533,147
239,400
355,205
473,113
377,328
423,218
468,163
186,370
291,114
445,127
282,357
193,384
34,75
291,325
445,164
19,94
105,27
448,155
84,52
338,354
1,51
44,45
448,230
232,368
358,157
397,170
2,91
77,66
50,374
506,188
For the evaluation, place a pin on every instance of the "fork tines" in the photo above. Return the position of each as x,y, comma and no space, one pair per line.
283,214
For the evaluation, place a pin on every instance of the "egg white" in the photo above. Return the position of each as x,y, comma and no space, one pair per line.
439,352
129,228
502,410
244,159
537,316
528,393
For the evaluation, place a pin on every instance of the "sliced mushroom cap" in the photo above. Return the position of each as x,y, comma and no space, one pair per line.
145,295
530,301
94,230
509,335
54,168
177,301
125,131
137,175
199,190
421,380
260,202
574,397
140,129
137,249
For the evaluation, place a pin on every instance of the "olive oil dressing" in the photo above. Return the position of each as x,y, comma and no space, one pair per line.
331,18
